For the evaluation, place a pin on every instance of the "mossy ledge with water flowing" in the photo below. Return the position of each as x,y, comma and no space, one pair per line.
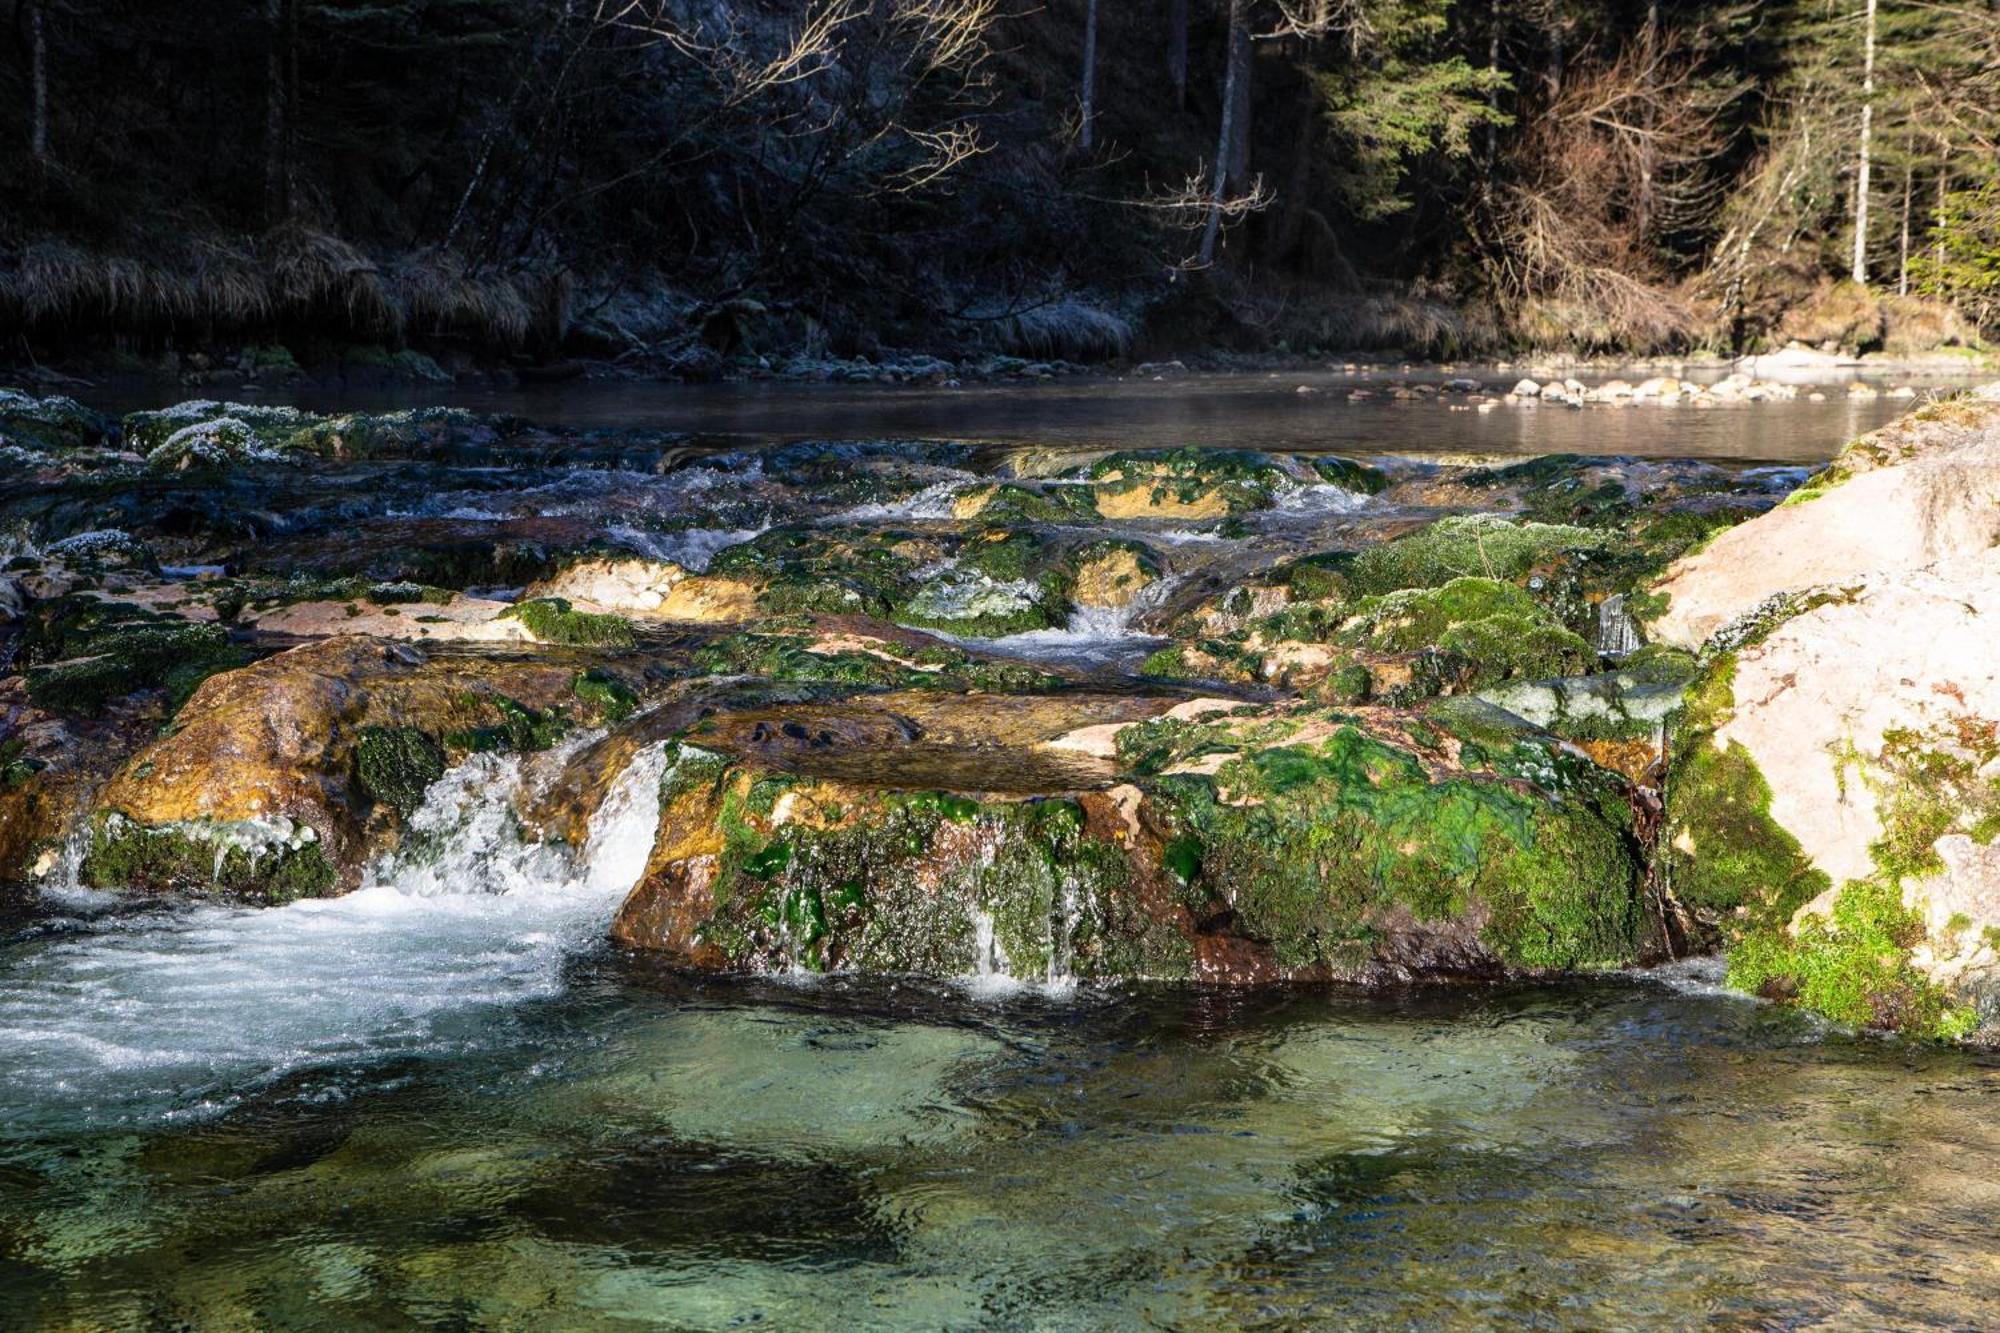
919,707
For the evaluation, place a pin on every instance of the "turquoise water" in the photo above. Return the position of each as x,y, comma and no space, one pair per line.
623,1147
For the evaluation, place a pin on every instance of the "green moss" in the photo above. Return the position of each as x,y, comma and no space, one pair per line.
1351,684
786,656
517,728
887,891
1854,966
1315,847
396,765
1489,630
1350,475
1474,545
125,855
1721,848
94,652
604,694
551,620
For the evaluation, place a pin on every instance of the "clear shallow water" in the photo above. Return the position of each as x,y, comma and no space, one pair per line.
639,1150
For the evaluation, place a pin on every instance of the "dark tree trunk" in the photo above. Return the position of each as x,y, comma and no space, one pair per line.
1177,50
38,80
1087,133
280,74
1235,72
1238,91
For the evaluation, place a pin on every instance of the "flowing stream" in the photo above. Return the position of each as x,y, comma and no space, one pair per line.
444,1101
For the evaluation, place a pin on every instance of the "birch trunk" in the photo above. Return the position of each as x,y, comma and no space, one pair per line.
1865,162
1903,249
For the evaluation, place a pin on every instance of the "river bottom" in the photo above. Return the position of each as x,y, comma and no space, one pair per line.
640,1149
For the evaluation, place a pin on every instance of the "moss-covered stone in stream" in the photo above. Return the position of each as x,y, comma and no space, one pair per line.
262,865
54,424
84,652
1319,848
1721,849
908,882
1728,858
553,620
1478,545
1499,629
604,695
396,765
516,728
788,653
1191,483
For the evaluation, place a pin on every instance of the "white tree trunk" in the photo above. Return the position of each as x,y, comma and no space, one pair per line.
1087,134
1865,163
1903,250
38,62
1234,70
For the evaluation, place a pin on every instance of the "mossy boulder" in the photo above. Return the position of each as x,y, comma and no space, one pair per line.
1250,848
52,425
321,742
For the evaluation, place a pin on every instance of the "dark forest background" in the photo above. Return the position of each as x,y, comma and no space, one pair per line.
673,182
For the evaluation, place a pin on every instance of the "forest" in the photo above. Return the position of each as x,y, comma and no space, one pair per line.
669,185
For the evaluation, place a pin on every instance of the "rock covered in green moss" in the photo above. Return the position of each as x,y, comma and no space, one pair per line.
554,620
1243,848
1835,795
53,425
267,860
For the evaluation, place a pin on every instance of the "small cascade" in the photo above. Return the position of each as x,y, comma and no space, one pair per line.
1093,635
1069,911
134,1013
989,960
1617,632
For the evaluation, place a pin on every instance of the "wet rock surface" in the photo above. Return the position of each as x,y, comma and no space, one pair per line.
1219,715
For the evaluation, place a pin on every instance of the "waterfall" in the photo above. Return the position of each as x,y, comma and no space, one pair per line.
142,1012
1617,633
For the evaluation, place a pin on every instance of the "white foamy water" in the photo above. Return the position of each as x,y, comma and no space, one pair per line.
174,1013
932,502
1093,635
690,548
1320,498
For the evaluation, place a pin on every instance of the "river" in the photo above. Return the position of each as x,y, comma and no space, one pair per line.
445,1102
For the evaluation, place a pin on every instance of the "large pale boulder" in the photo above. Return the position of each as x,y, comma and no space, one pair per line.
1920,490
1835,792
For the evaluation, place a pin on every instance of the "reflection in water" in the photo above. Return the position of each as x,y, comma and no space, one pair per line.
1250,411
645,1149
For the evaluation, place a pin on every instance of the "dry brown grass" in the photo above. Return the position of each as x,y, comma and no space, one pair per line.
294,277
